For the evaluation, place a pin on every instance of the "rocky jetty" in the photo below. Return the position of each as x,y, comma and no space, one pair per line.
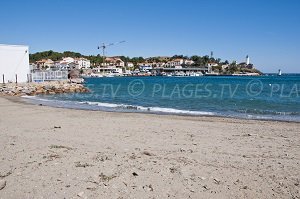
53,87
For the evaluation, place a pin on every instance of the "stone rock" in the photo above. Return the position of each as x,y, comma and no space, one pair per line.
41,88
80,194
2,184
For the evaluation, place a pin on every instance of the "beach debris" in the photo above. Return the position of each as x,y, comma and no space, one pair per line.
190,150
205,187
245,187
173,169
91,188
105,178
283,136
5,175
133,156
217,181
59,147
2,184
236,182
80,194
148,187
147,153
79,164
249,135
134,174
57,127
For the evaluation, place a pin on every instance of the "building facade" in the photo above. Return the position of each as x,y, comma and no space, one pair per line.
82,63
14,63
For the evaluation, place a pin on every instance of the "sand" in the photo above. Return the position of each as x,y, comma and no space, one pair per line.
50,152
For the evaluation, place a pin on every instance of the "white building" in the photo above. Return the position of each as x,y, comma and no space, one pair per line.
14,63
82,63
175,62
145,68
211,64
130,64
67,60
188,62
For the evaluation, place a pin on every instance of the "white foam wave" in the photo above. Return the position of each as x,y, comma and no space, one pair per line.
178,111
148,109
28,96
108,105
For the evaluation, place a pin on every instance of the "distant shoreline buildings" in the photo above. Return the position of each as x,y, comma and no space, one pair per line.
161,65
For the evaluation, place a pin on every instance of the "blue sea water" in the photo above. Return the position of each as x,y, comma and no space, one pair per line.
265,97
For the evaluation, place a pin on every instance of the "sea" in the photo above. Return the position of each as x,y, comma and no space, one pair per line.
268,97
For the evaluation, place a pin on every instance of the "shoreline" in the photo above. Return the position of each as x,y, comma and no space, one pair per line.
27,101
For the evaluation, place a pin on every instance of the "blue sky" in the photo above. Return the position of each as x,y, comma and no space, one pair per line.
267,30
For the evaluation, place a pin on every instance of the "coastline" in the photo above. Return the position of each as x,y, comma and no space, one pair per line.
184,115
56,152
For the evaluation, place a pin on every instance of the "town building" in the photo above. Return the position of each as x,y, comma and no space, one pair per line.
174,62
45,63
67,60
211,64
130,65
82,63
188,62
113,61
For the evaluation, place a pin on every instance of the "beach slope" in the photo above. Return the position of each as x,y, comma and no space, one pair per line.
50,152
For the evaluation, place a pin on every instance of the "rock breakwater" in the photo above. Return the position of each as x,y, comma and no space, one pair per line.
31,89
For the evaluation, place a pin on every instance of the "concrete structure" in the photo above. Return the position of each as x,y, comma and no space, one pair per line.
203,70
14,63
42,76
107,70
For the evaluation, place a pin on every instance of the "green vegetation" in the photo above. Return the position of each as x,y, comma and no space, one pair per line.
55,56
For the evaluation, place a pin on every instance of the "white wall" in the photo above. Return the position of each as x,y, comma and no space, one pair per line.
14,60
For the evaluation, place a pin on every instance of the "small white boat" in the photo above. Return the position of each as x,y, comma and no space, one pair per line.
279,72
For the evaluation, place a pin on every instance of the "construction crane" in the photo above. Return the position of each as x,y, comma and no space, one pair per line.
104,46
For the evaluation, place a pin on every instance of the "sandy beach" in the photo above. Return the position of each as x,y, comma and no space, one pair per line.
50,152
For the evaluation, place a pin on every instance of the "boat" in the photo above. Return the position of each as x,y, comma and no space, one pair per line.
279,72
